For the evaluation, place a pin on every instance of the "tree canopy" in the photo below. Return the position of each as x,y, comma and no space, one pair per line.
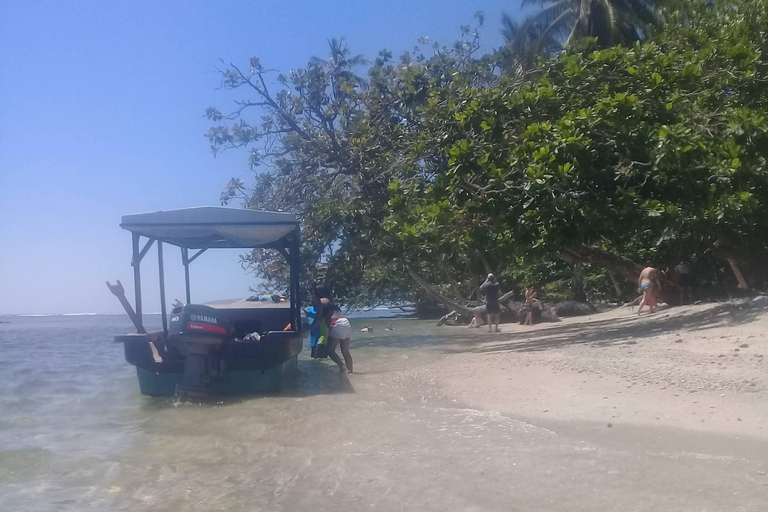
442,165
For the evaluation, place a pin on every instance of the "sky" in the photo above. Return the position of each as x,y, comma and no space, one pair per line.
102,114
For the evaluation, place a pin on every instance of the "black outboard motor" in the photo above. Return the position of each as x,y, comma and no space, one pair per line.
199,333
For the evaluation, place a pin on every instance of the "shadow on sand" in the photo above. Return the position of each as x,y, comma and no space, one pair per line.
624,330
612,331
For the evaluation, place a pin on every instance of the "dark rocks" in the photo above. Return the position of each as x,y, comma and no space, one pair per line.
574,308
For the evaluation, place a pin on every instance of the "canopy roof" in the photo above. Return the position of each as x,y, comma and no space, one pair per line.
213,227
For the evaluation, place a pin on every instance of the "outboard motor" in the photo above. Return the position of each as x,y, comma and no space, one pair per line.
199,333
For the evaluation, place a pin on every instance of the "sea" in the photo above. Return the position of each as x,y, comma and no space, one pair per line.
76,435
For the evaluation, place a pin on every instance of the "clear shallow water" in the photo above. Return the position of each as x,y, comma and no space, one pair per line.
75,434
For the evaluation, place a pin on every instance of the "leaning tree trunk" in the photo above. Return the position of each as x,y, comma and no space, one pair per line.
738,274
452,282
452,304
615,282
442,299
728,245
621,266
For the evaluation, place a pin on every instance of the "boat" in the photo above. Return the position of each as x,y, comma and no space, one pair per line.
223,347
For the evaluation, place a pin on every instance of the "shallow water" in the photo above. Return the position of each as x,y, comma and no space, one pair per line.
75,434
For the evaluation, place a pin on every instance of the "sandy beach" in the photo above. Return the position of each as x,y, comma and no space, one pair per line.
693,368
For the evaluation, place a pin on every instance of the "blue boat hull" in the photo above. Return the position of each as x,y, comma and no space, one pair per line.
237,382
248,367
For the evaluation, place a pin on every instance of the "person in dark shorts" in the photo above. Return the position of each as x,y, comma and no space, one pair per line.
492,289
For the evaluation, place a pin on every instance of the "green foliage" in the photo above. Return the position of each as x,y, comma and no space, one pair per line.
435,164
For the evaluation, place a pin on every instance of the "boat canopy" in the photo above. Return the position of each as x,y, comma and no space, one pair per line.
213,227
209,227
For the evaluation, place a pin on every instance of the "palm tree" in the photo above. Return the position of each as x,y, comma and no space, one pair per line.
524,44
611,22
340,64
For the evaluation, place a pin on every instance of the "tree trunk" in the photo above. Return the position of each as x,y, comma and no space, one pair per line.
737,272
445,301
486,265
622,267
616,285
577,283
577,277
474,278
452,283
442,299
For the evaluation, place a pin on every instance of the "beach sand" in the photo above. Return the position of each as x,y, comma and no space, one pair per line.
691,368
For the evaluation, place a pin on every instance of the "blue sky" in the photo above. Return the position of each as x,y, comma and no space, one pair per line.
102,107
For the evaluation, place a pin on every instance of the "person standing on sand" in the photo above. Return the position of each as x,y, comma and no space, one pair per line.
649,285
492,290
530,301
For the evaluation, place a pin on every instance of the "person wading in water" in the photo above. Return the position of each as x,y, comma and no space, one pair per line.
339,334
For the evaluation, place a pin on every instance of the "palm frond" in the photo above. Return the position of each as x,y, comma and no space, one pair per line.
509,27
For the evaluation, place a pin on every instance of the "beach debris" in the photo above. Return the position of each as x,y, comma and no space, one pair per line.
610,425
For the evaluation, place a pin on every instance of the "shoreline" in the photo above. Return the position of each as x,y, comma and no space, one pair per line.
692,368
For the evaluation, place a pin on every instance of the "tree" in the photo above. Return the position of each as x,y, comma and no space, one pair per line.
525,44
563,22
603,149
340,65
327,149
598,159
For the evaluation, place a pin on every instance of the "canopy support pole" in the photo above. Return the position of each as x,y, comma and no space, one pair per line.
194,256
143,251
136,262
185,261
295,280
161,273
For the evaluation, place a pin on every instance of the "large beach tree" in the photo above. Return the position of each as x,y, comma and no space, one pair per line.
440,170
613,152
